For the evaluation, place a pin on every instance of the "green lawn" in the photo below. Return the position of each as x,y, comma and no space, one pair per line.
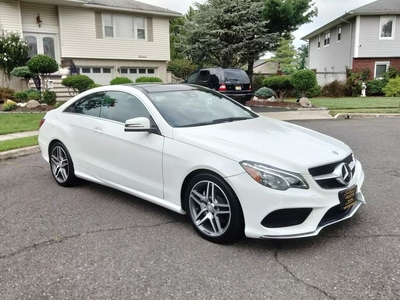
18,143
355,103
11,123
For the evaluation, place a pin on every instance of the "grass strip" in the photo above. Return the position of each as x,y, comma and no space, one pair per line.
19,122
18,143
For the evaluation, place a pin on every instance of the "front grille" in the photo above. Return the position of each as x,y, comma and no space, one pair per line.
286,217
325,177
333,214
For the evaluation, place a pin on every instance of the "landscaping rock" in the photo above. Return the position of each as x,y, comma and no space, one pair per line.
32,104
304,102
43,105
21,104
272,99
8,101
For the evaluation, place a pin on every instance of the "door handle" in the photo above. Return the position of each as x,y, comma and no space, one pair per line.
98,130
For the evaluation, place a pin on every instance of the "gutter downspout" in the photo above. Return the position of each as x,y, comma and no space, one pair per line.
351,40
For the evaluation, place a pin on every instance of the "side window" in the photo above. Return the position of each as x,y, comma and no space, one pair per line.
89,105
120,106
204,76
192,77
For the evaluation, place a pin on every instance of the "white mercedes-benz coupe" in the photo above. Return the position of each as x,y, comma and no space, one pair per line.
197,152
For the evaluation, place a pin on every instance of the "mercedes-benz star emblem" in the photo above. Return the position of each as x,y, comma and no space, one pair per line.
343,172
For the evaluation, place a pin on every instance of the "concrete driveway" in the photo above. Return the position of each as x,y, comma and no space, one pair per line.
91,242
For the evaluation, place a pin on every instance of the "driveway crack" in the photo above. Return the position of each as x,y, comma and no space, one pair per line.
56,240
286,268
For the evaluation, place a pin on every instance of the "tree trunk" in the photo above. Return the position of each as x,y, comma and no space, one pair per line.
250,66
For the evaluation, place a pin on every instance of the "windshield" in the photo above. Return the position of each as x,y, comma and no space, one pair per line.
198,108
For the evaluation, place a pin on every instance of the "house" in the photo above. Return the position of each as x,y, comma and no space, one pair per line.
266,67
102,38
366,37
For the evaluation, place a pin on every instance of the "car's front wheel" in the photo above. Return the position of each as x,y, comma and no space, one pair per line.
61,165
214,209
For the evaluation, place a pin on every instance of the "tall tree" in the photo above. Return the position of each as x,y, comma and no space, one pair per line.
177,29
227,35
285,55
302,54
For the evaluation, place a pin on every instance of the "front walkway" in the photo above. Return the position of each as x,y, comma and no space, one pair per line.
17,135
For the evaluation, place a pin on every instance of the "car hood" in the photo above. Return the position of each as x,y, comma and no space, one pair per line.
264,140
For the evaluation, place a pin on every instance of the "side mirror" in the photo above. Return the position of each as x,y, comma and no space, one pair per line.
139,125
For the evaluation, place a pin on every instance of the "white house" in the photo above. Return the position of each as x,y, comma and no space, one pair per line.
103,38
366,37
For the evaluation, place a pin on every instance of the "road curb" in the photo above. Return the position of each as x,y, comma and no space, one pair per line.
19,152
366,116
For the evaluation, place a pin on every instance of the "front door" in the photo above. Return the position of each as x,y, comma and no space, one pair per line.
42,43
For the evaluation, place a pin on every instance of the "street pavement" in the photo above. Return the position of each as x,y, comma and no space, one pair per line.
92,242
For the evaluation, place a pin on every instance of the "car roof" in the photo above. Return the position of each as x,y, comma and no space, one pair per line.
166,87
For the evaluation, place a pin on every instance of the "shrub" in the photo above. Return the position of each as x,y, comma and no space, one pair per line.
258,82
42,64
303,81
94,85
23,72
280,84
181,68
9,105
335,89
148,79
79,83
49,97
58,104
375,87
264,92
34,95
13,52
316,91
354,80
20,96
120,80
392,89
6,93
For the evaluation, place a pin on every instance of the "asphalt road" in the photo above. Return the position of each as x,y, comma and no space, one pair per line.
91,242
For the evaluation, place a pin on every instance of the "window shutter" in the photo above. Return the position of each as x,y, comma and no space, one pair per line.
150,30
99,25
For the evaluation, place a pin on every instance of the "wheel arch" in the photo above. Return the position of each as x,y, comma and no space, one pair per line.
191,175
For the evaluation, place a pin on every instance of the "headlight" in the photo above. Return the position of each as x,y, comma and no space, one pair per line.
274,178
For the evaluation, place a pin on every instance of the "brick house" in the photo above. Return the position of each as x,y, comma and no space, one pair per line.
368,36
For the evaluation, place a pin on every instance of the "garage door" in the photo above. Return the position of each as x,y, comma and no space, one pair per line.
99,75
133,73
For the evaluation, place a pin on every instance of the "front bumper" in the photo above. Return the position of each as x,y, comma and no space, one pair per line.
258,201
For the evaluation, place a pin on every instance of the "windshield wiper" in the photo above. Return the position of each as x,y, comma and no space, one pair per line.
231,119
196,124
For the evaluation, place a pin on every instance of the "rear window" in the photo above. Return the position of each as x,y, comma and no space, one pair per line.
236,75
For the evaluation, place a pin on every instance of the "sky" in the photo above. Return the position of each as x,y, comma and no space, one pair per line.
328,10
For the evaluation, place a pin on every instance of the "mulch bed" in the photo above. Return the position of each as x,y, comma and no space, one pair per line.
273,104
27,110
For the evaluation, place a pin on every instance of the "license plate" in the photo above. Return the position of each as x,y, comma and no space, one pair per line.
347,198
238,88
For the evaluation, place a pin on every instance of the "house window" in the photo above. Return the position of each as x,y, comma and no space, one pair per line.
381,67
106,70
124,71
319,41
142,71
133,71
327,38
124,26
339,33
387,28
96,70
86,70
150,71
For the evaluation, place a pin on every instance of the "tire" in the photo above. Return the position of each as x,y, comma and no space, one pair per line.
61,165
213,209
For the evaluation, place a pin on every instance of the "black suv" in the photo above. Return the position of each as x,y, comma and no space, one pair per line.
232,82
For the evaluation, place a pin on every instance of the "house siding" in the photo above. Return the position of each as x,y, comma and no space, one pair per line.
335,57
10,17
361,63
48,14
369,43
78,32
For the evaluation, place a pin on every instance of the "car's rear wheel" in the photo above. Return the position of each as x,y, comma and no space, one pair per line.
214,209
61,165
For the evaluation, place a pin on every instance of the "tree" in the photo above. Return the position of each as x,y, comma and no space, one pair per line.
302,54
227,35
285,55
43,65
13,53
238,34
303,81
280,84
177,29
